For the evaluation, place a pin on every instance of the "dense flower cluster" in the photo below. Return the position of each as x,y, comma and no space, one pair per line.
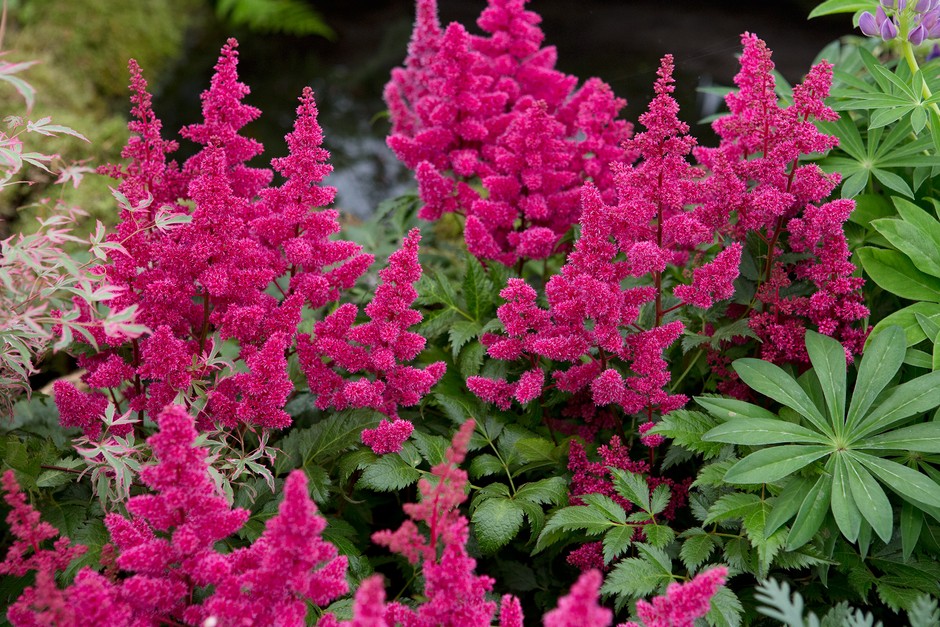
494,110
241,261
592,319
166,553
682,603
783,202
376,348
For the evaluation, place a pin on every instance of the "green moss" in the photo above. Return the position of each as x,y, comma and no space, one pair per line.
81,81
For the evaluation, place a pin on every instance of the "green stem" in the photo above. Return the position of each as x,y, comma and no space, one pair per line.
907,51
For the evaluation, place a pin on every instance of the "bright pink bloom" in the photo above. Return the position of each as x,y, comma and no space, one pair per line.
388,436
580,606
683,603
79,409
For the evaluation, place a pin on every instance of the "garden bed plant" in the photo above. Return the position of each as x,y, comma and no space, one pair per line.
590,372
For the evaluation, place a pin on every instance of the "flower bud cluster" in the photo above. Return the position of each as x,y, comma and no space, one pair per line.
923,20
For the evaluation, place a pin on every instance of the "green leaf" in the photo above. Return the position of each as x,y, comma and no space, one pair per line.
607,506
811,515
333,435
761,431
697,546
772,381
871,499
912,523
496,521
287,16
923,438
553,491
462,332
731,408
659,536
880,361
905,400
636,577
617,541
732,506
844,508
913,242
477,289
485,465
828,358
685,428
388,473
659,498
908,483
576,517
787,503
830,7
632,486
906,319
775,463
726,609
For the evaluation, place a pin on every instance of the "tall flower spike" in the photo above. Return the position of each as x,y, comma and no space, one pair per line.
408,84
289,565
224,115
379,349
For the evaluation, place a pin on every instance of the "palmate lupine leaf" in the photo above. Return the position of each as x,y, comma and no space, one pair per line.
842,460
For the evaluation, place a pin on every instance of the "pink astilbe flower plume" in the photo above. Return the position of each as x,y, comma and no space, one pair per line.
496,111
580,606
288,566
378,349
166,555
683,603
782,201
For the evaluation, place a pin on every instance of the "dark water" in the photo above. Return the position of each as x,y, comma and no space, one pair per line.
620,41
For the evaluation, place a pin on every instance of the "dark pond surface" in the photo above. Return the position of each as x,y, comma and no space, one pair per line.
620,41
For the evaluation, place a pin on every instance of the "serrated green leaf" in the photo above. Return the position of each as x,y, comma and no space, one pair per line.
631,486
636,577
659,536
732,506
606,505
575,518
726,609
550,491
389,473
485,465
616,542
659,498
685,428
496,522
696,548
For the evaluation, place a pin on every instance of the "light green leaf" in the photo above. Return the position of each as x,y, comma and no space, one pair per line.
731,408
908,483
880,362
912,241
732,506
553,490
607,506
844,508
760,431
787,503
871,499
907,320
775,463
905,400
812,513
828,358
923,438
771,380
830,7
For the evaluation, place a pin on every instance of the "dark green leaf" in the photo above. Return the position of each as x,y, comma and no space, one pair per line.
880,362
828,358
617,541
697,546
389,473
775,463
844,508
772,381
811,515
871,500
496,521
761,431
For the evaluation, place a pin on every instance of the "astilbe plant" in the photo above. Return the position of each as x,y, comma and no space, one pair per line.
492,112
593,321
804,276
214,255
165,568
